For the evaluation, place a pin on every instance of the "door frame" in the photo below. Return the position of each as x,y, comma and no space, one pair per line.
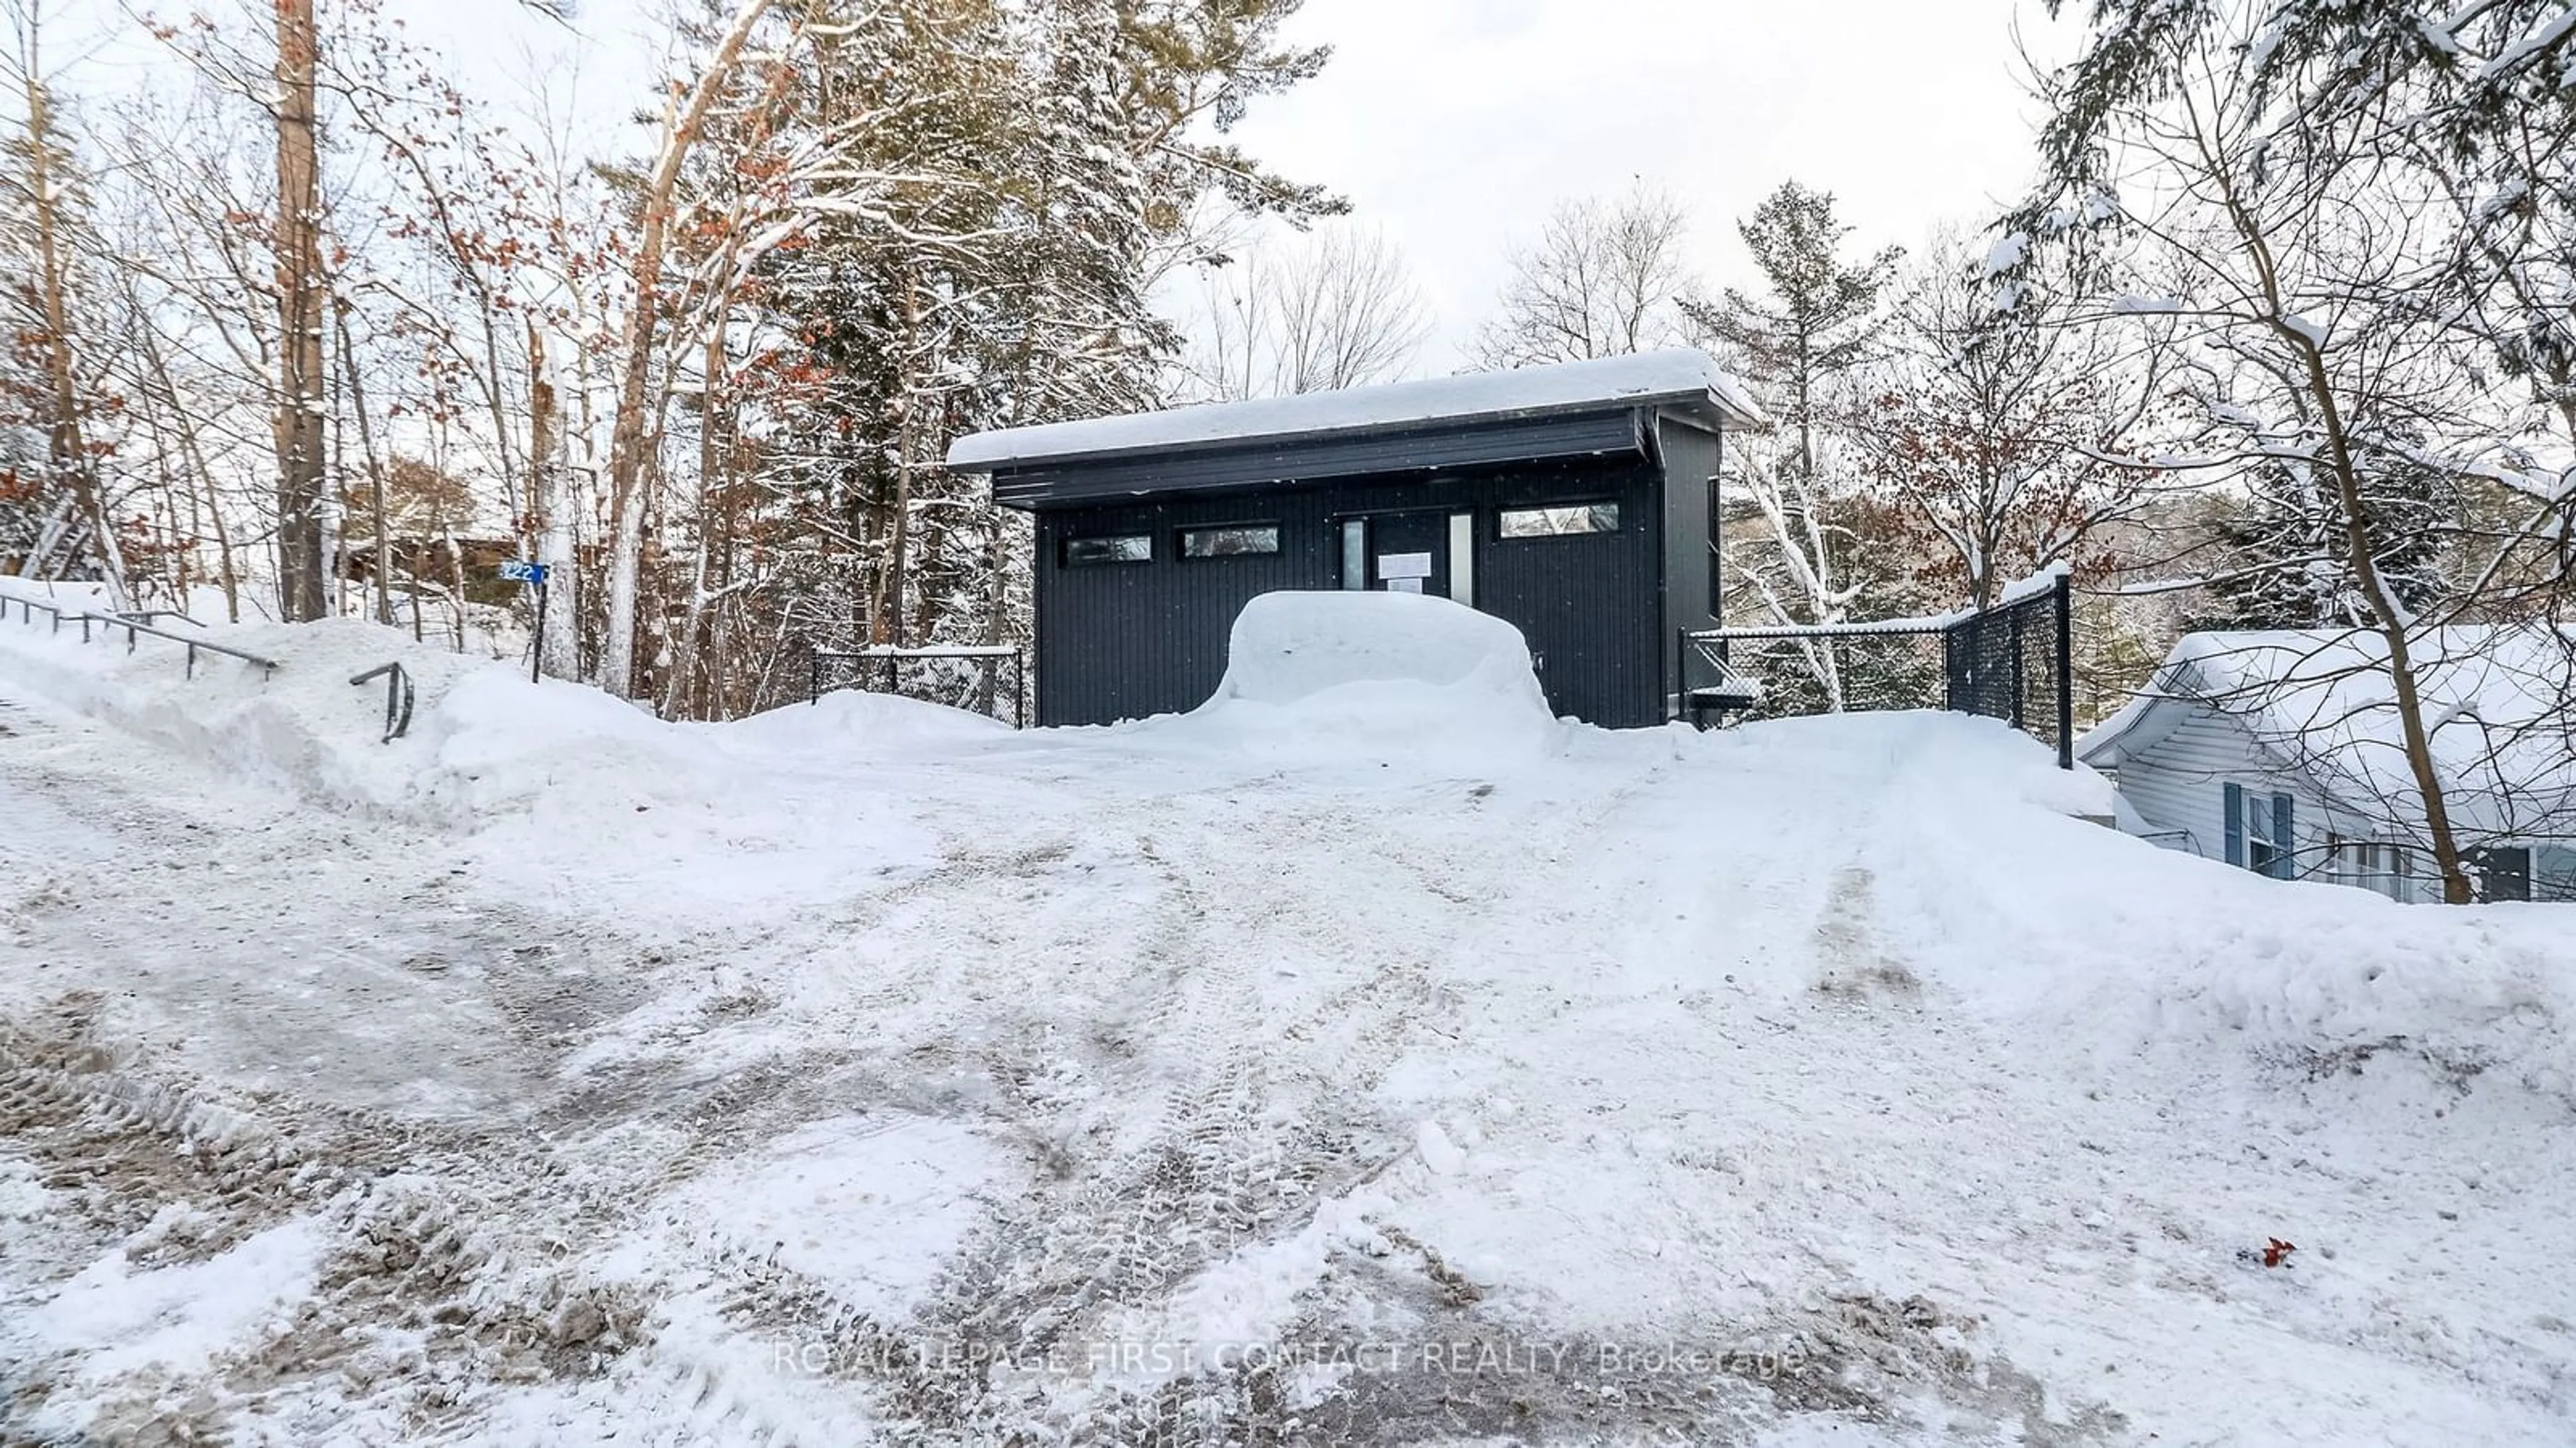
1447,546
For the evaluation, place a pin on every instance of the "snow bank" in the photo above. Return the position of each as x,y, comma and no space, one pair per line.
1985,883
483,736
301,726
1372,679
854,721
676,819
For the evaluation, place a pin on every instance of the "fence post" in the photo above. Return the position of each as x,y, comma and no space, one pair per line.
1681,673
2020,685
2066,671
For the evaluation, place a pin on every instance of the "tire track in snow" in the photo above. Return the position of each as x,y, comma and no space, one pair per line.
434,1260
1233,1154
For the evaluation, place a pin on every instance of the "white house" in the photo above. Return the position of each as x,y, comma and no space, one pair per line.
2280,752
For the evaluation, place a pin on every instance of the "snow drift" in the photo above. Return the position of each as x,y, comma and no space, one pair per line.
1371,678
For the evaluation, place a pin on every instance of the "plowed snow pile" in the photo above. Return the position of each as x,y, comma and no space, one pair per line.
1365,1057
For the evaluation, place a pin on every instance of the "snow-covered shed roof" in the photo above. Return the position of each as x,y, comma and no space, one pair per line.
1686,381
2499,704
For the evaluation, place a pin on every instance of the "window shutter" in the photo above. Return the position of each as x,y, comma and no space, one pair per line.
2282,866
2236,825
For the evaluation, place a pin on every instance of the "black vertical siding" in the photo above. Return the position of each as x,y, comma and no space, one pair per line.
1123,641
1589,604
1691,459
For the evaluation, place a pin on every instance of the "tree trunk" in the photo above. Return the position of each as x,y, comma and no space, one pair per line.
559,651
384,610
68,449
301,291
890,615
2355,522
627,440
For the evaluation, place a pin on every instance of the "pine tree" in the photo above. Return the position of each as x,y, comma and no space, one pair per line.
1798,343
2285,547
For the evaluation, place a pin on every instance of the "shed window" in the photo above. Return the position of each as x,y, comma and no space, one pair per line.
1240,540
1565,522
1115,548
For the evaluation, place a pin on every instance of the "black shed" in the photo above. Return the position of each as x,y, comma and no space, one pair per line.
1572,501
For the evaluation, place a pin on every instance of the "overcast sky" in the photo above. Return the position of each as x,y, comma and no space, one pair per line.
1453,125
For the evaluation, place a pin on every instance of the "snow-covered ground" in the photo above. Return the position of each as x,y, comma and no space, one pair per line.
1366,1058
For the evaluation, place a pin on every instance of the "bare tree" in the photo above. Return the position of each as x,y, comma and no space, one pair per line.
1802,338
2007,449
1338,309
1601,281
71,463
2305,271
683,119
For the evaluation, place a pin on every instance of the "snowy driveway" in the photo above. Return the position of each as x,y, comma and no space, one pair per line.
1130,1088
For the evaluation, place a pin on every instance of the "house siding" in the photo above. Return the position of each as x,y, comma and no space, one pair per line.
2176,789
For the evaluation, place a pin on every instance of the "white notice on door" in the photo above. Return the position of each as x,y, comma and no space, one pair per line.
1392,566
1404,585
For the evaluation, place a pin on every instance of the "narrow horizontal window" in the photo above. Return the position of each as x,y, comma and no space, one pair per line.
1240,540
1116,548
1560,522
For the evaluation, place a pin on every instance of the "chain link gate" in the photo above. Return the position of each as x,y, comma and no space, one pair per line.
2012,662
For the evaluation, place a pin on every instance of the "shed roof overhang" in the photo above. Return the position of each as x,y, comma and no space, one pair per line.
1585,409
1163,472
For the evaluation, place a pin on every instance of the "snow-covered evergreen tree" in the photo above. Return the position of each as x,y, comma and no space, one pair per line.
1799,342
2285,563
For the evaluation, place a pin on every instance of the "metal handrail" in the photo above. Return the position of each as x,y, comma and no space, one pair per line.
133,629
30,606
990,656
398,697
135,626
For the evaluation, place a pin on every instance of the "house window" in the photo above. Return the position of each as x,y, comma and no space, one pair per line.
1354,553
2261,856
2259,832
2504,872
2553,872
1462,558
1565,522
2370,865
1114,548
1237,540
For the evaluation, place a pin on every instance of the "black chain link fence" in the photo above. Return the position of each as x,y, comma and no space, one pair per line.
2010,662
2013,663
